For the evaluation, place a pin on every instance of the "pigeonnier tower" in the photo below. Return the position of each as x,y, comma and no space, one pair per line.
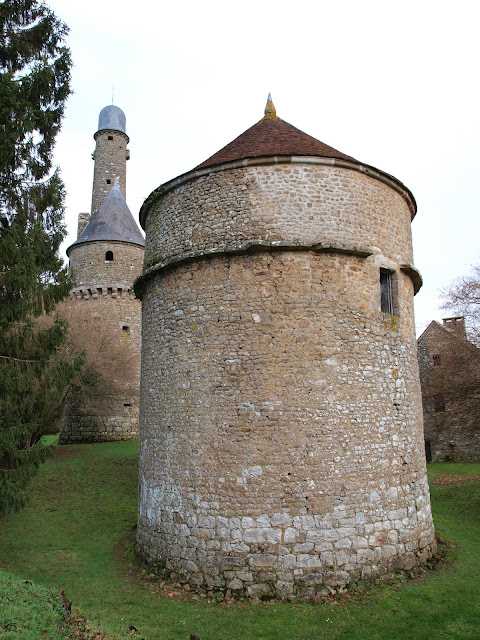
105,259
281,450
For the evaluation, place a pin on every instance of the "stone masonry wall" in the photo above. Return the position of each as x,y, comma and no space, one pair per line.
108,327
451,407
92,271
110,157
105,320
281,452
288,203
80,426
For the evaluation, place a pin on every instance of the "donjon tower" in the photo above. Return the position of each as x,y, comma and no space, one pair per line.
281,449
105,259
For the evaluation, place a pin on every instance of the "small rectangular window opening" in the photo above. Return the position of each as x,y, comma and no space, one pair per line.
386,295
437,361
110,137
109,181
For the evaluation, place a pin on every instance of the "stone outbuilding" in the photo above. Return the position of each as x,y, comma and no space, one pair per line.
450,378
281,441
103,310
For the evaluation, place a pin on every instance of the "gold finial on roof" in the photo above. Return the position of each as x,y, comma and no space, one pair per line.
270,111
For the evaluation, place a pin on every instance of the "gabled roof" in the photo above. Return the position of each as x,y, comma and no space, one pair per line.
436,328
272,136
433,326
113,221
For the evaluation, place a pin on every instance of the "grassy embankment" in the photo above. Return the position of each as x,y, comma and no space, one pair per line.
77,534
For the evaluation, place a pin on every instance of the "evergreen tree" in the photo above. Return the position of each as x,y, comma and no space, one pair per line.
34,85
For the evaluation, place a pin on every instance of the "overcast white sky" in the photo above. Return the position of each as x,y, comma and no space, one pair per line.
393,84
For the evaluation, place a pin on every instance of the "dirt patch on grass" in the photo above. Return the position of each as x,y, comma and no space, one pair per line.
454,478
65,452
77,625
125,462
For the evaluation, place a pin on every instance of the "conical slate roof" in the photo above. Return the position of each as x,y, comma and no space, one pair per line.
272,136
113,221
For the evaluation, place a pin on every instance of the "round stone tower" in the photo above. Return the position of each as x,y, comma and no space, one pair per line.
103,312
281,450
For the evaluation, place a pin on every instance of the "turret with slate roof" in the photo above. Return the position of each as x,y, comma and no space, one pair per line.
109,252
113,221
105,259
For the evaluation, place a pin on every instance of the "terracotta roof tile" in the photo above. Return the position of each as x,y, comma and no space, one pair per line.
272,137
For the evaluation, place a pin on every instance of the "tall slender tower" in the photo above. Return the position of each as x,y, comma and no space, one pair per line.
111,155
103,311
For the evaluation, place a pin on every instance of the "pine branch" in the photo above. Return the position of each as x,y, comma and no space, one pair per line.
17,359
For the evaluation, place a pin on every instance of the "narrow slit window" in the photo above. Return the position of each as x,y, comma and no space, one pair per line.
437,361
126,329
109,256
428,450
439,403
386,293
109,181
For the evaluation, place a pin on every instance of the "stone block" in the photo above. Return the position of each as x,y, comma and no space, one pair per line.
235,585
262,560
337,579
262,534
259,591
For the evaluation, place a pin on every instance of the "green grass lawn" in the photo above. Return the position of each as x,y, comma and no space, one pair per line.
29,610
77,534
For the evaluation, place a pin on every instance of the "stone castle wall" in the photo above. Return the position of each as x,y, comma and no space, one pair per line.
110,163
105,320
281,451
449,366
107,325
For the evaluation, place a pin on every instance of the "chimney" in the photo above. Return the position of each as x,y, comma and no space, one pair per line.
83,220
456,325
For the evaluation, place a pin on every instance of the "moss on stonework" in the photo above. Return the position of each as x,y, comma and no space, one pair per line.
391,322
156,195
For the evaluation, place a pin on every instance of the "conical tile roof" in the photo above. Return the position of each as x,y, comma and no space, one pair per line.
269,138
272,136
113,221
